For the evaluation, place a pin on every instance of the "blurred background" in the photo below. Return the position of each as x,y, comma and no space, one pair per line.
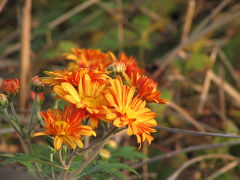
190,47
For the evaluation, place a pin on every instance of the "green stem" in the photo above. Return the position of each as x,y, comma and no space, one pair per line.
22,137
12,123
52,171
93,155
32,114
14,112
34,163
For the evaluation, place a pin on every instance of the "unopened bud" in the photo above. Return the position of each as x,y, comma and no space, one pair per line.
37,85
10,87
105,154
117,67
112,144
40,97
52,150
3,101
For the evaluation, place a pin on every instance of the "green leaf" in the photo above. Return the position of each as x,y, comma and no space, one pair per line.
65,46
107,168
128,152
20,157
197,62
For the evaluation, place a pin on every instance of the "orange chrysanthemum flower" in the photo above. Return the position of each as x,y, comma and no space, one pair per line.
146,88
89,58
89,96
66,127
58,76
130,111
131,64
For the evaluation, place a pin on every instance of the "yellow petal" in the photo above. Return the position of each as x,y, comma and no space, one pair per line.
71,90
69,141
39,134
79,143
57,142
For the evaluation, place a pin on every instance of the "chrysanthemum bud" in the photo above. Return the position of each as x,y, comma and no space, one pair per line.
112,144
10,87
3,101
52,150
105,154
37,85
40,97
117,67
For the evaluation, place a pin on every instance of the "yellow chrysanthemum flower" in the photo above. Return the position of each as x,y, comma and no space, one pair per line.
66,127
89,96
130,111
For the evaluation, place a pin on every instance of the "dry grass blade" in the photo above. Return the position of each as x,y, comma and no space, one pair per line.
233,93
3,4
71,13
223,170
163,62
229,67
188,21
189,118
185,150
214,13
175,175
185,131
25,51
207,82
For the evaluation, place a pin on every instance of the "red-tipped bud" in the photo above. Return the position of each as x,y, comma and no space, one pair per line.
117,67
10,87
40,97
37,85
3,101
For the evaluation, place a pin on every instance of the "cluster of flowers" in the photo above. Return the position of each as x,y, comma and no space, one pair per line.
100,87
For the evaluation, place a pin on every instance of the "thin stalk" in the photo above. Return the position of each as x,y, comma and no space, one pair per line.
52,172
32,114
61,158
14,112
24,141
196,133
34,163
93,155
63,163
12,123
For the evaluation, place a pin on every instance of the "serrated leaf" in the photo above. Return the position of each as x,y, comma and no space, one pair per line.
108,168
20,157
128,152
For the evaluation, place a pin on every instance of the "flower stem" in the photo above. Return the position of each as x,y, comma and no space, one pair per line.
34,163
93,155
52,172
14,112
12,123
22,136
32,114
